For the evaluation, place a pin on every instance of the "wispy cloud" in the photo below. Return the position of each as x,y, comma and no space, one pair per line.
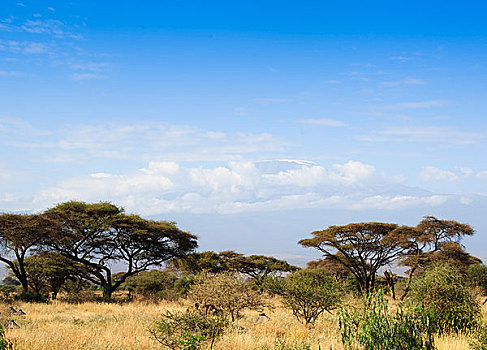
431,173
407,81
323,122
270,100
427,134
11,74
87,76
137,141
413,105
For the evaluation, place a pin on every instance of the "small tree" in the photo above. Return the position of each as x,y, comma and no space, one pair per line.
152,284
187,330
308,293
226,294
441,293
20,236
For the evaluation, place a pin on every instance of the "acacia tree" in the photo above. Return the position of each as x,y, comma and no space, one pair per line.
101,234
208,262
435,240
363,248
260,267
49,270
20,235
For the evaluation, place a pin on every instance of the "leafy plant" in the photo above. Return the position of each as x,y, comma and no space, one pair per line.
374,328
187,330
308,293
442,294
479,341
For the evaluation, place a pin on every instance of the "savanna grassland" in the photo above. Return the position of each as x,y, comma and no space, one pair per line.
62,326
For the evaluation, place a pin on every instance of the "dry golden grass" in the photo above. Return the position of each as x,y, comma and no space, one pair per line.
94,326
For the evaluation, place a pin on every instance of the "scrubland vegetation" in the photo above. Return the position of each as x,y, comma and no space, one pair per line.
61,276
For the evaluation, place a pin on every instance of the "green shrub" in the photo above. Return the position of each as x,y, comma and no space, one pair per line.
441,293
155,284
308,293
373,328
187,330
183,284
479,341
31,297
225,294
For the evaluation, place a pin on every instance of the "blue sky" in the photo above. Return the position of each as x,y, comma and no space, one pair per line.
251,123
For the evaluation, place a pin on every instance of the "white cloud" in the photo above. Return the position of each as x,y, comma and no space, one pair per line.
407,81
243,186
87,76
413,105
323,122
482,175
431,173
428,134
146,141
353,172
34,48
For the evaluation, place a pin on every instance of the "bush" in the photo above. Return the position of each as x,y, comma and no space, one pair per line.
31,297
187,330
225,294
479,341
442,294
375,329
308,293
155,284
183,284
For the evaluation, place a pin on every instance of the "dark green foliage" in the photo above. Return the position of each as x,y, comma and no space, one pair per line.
155,284
31,297
479,341
477,276
187,330
5,343
308,293
373,328
183,284
441,292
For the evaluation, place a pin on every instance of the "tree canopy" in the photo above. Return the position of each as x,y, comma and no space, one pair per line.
363,248
100,234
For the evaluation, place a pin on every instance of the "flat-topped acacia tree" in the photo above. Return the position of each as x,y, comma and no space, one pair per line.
99,235
363,248
20,236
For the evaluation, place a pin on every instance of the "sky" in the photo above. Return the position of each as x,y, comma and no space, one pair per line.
250,124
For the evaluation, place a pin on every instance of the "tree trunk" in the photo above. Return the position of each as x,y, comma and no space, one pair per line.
390,282
408,284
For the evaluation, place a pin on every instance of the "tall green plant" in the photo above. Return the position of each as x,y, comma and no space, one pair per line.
441,292
374,328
